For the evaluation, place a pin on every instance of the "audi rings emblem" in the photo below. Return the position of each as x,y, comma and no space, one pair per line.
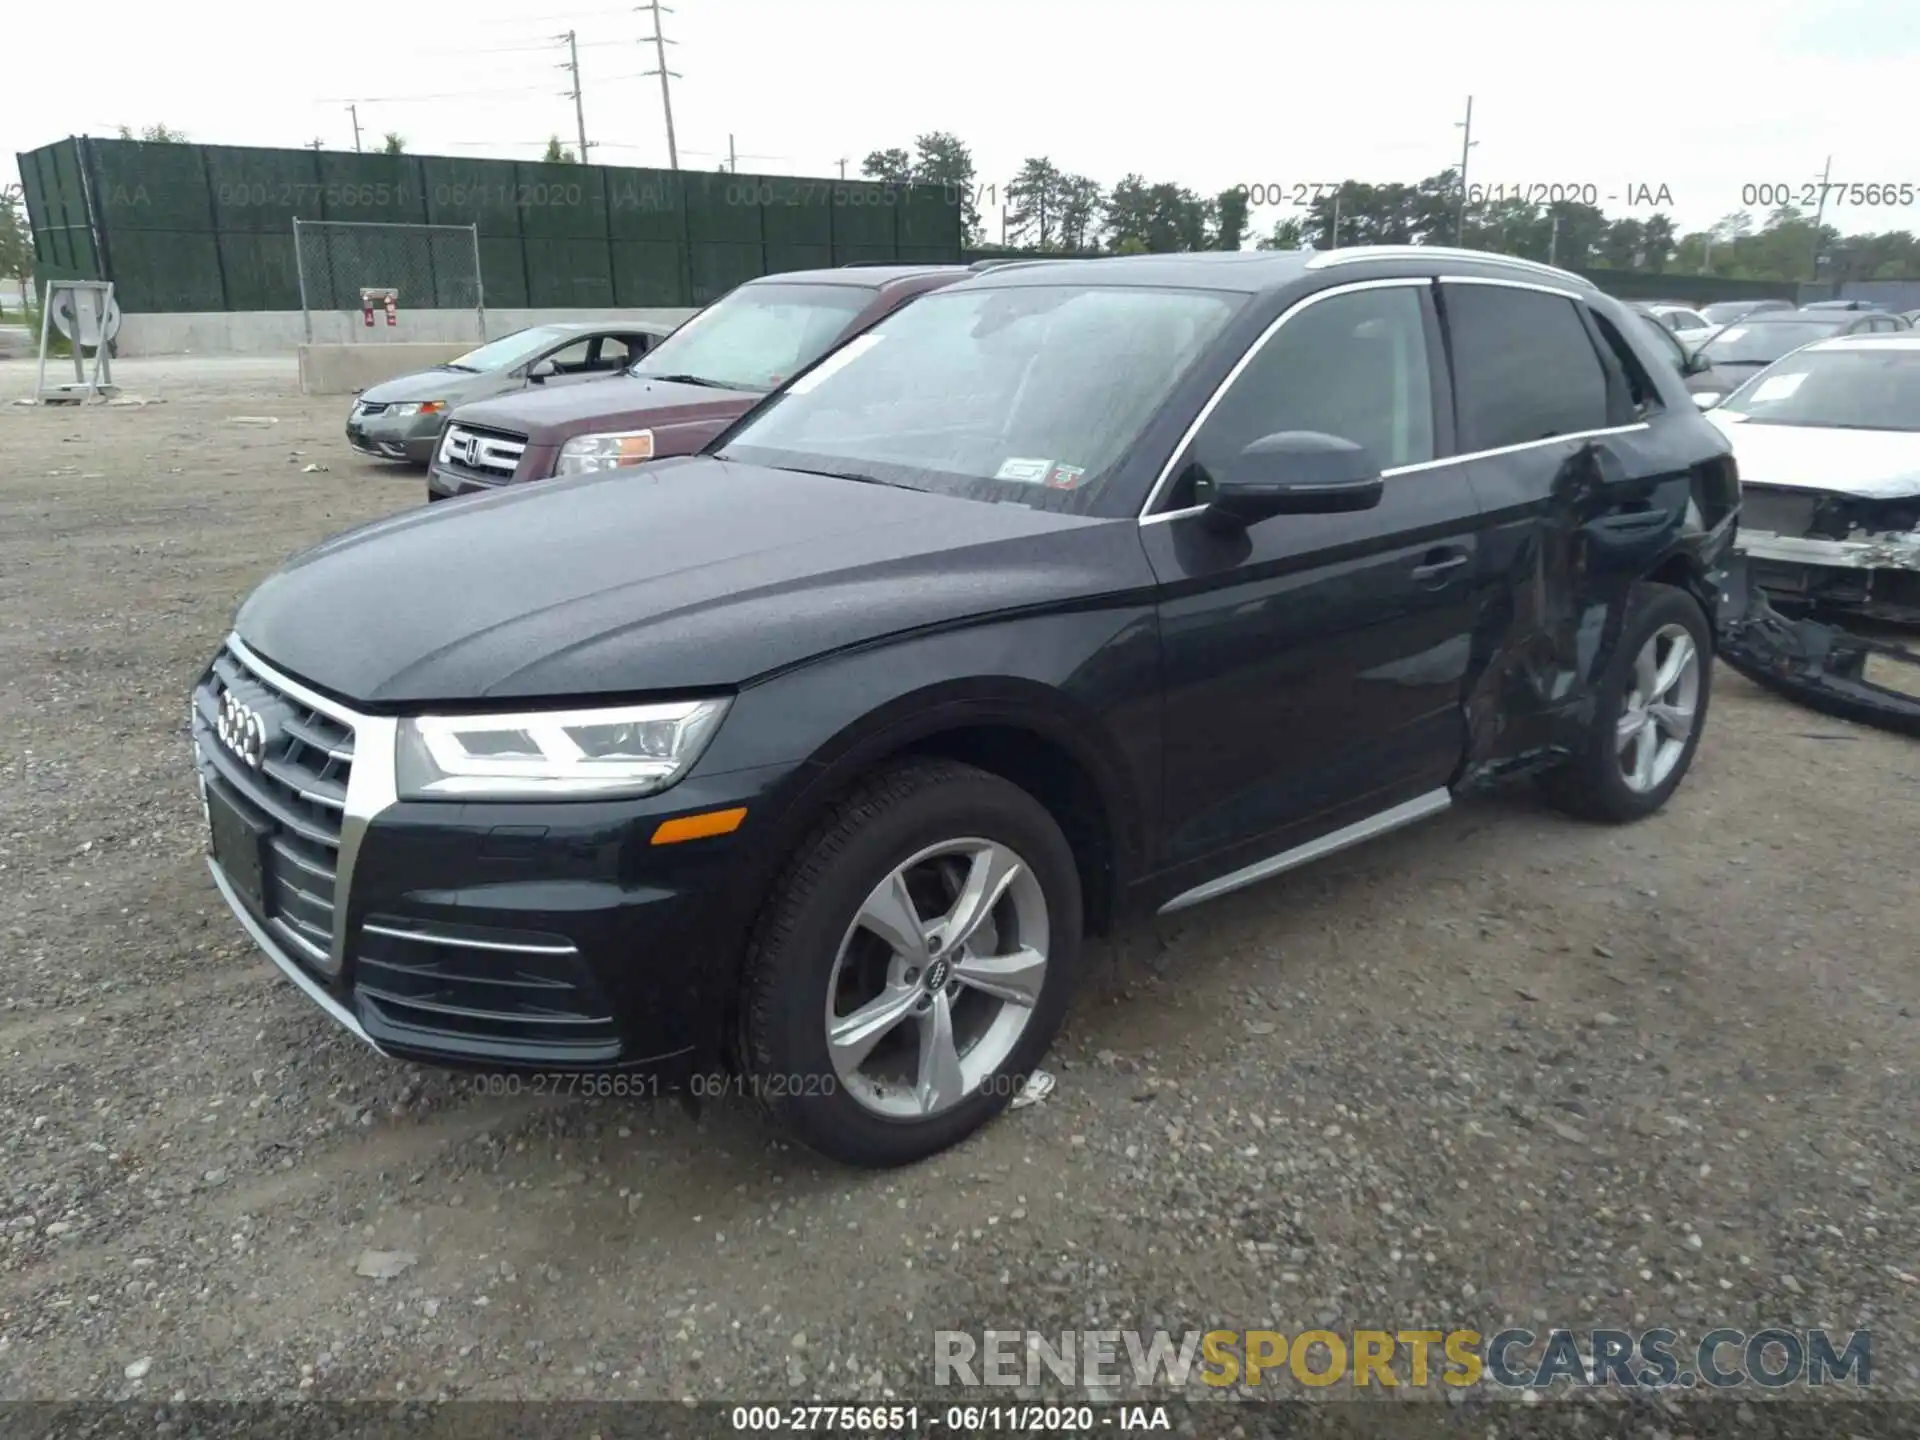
242,730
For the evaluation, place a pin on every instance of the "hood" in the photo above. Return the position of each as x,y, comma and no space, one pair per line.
549,414
687,575
1872,464
1723,377
453,386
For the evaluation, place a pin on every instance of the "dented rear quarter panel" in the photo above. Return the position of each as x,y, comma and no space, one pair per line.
1571,529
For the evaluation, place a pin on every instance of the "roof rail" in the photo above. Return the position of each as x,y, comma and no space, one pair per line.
982,266
1357,254
873,264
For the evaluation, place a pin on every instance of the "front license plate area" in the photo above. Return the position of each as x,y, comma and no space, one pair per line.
239,844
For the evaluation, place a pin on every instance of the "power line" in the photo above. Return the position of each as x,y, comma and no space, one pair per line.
660,43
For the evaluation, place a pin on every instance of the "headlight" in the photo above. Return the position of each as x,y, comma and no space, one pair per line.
420,407
613,451
553,754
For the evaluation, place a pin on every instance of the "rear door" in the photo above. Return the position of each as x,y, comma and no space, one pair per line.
1584,481
1313,664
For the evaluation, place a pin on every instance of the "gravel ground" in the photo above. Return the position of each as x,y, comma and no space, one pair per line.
1504,1068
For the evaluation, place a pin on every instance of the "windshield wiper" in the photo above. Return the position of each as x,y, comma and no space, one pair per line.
463,369
682,380
853,475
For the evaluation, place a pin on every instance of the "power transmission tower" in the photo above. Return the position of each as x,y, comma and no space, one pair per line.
572,64
354,111
660,42
1467,142
1820,215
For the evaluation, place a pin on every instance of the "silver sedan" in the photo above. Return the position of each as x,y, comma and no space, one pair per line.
400,419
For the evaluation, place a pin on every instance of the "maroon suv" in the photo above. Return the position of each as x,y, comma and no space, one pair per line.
688,388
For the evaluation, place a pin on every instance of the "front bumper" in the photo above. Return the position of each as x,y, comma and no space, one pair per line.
1822,666
410,438
549,937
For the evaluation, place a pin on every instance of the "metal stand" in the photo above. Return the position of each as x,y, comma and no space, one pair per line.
92,300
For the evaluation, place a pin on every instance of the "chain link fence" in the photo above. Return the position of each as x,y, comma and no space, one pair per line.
353,268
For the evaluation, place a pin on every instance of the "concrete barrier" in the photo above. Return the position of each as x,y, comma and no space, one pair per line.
271,332
343,369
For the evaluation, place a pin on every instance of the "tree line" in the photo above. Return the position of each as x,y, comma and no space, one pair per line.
1048,207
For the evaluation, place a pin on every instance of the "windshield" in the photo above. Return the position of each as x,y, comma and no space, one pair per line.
509,350
758,337
1846,389
1028,394
1764,343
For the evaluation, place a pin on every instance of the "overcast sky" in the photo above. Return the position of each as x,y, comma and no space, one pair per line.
1209,93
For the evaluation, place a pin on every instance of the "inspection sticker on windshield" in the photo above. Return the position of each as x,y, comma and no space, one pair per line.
850,351
1024,472
1777,387
1066,477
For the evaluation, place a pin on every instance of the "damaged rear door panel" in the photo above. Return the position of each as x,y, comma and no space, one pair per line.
1646,490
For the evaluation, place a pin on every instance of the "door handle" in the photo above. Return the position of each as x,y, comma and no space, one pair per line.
1439,564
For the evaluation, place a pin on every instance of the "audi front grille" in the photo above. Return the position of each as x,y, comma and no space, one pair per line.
296,793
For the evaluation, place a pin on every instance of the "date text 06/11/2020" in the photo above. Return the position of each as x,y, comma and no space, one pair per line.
893,1419
1302,194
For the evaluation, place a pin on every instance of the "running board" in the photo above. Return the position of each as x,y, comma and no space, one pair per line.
1432,803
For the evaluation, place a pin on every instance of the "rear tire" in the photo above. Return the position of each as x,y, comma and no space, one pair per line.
865,1030
1649,713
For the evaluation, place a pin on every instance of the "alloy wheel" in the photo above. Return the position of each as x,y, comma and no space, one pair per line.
937,977
1657,719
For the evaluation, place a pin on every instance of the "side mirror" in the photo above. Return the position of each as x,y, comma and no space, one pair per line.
1707,399
1296,472
541,370
1697,364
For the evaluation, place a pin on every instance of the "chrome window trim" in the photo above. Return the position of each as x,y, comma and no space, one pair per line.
1239,367
1434,464
1572,295
1359,254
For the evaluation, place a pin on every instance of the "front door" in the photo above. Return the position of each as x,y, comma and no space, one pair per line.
1315,664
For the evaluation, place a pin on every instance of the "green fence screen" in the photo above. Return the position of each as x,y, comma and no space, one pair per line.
181,227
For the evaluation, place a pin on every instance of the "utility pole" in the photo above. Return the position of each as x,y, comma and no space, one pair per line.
1467,142
843,167
1820,215
660,43
1553,242
1334,242
354,111
318,143
572,64
733,160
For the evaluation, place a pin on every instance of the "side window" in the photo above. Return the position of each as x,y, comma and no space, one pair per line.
1524,368
610,353
1353,365
1640,387
571,359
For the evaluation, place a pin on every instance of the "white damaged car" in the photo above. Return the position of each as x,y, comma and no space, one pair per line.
1828,443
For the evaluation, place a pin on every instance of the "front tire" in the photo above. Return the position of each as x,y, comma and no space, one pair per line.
912,964
1649,712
